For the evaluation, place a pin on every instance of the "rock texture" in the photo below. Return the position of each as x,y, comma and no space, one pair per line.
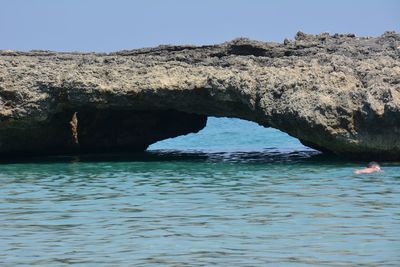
336,93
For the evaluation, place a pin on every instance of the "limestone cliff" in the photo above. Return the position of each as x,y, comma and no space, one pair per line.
336,93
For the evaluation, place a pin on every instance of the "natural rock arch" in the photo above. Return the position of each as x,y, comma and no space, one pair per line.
338,94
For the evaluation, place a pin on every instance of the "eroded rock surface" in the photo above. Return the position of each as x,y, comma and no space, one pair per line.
336,93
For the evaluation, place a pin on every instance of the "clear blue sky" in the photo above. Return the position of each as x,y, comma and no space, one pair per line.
98,25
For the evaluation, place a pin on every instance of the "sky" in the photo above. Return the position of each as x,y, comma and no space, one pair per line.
104,26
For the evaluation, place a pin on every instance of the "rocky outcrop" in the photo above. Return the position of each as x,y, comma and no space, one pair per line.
336,93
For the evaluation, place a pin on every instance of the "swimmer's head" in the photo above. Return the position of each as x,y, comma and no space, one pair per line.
374,165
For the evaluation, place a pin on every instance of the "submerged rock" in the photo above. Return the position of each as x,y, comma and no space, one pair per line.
336,93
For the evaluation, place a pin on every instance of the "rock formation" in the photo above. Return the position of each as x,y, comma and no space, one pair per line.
335,93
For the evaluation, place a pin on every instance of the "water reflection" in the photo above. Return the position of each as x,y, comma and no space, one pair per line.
263,156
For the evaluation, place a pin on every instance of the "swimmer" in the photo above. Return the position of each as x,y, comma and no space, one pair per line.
371,167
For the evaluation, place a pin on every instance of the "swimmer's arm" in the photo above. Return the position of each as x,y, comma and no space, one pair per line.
367,170
359,171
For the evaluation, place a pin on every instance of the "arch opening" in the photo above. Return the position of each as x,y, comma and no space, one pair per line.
231,135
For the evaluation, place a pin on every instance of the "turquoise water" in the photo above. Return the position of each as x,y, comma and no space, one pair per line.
234,194
232,135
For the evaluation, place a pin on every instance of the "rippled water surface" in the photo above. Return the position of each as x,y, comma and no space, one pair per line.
242,206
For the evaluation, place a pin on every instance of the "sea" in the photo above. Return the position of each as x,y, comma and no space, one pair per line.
234,194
